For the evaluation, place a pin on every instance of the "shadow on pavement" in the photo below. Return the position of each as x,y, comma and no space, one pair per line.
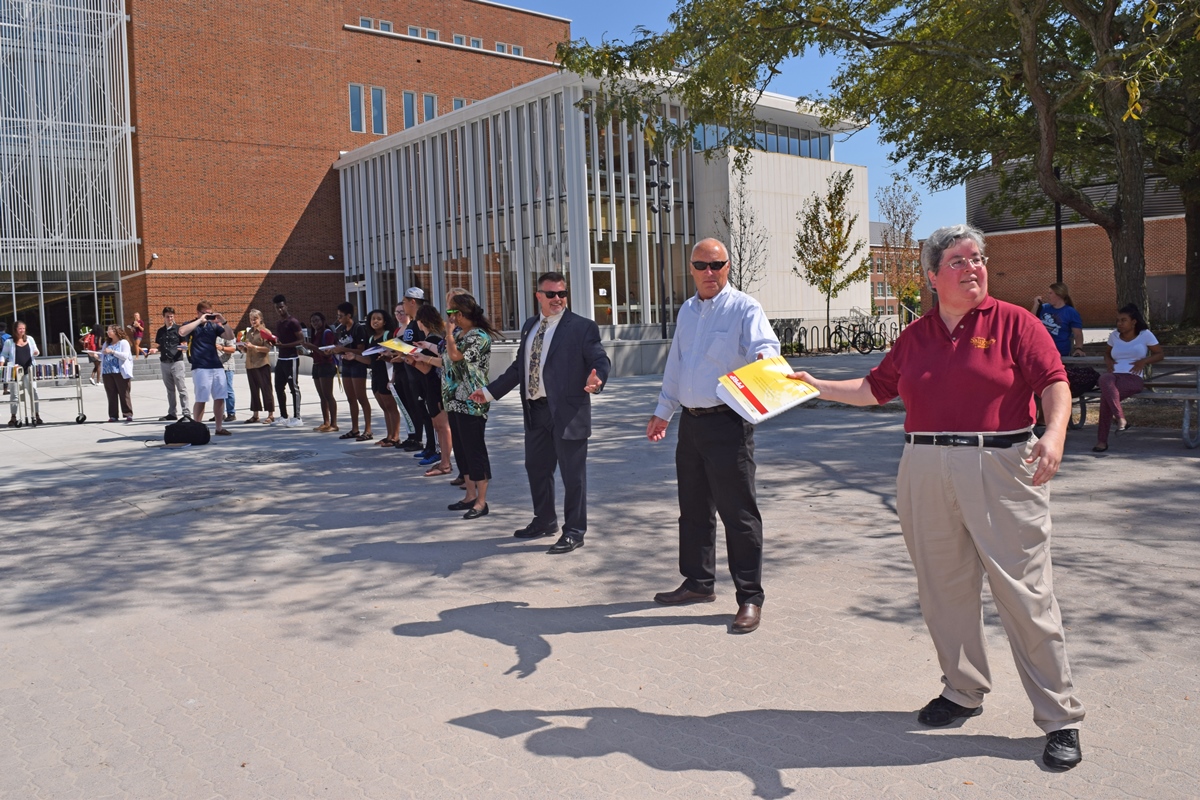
525,629
759,744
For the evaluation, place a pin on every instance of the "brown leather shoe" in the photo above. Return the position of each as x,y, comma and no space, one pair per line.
747,619
683,595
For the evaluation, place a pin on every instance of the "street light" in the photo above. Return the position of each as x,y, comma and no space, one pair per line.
658,195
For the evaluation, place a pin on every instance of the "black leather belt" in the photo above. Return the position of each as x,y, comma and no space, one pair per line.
977,440
700,412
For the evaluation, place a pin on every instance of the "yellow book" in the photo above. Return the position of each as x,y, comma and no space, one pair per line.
399,345
762,389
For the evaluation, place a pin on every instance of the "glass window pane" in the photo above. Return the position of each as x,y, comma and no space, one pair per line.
500,47
378,111
430,107
385,26
356,108
460,39
432,35
477,43
414,30
410,109
364,22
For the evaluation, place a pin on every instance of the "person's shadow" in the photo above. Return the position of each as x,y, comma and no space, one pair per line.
525,629
442,558
759,744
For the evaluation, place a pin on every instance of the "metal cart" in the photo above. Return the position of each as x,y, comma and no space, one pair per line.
50,373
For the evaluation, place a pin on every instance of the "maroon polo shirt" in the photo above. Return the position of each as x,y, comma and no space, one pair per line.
980,377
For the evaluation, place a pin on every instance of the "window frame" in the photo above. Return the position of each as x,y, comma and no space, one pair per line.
380,112
459,39
366,22
476,43
425,98
389,29
410,109
501,47
362,111
516,50
413,30
433,35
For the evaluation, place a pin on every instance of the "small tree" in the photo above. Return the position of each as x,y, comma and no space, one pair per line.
824,250
747,239
900,208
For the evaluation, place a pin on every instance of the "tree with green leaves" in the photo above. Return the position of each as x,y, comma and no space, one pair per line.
955,88
900,208
825,244
746,238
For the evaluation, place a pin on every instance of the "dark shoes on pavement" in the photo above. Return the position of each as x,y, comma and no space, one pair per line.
168,417
565,544
461,505
533,531
1062,750
747,619
940,712
683,595
475,513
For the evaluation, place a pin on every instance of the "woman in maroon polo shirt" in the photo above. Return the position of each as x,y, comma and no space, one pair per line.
971,489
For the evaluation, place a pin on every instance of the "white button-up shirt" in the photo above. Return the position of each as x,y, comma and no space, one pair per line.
712,337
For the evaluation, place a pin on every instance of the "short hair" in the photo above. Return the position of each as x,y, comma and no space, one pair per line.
203,305
551,277
254,312
277,299
1134,313
168,310
345,308
943,239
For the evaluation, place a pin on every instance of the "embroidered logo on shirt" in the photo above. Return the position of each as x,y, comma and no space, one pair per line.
979,343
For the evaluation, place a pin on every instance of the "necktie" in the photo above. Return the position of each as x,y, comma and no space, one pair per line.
535,359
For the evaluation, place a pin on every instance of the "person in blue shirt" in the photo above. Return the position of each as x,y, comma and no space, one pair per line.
1061,319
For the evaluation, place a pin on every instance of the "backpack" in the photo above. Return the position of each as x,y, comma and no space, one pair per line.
186,431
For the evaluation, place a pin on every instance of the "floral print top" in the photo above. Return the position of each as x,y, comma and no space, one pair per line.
460,378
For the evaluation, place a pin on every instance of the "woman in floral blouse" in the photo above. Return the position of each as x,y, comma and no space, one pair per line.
468,354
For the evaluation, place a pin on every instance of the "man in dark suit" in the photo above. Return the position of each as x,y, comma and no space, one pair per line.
559,364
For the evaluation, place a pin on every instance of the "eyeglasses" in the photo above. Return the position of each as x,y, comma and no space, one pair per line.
715,266
451,310
963,263
552,295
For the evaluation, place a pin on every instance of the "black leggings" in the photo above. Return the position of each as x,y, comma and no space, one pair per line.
470,449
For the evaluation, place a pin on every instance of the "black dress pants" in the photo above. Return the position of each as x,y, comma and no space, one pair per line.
415,385
543,452
714,462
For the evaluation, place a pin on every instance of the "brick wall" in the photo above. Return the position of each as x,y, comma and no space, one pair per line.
1021,265
240,111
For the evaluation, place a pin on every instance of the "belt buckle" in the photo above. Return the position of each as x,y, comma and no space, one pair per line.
963,441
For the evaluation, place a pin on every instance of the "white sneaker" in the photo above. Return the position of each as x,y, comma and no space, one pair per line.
294,422
278,422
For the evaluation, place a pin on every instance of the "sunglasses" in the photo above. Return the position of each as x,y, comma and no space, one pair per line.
715,266
552,295
451,310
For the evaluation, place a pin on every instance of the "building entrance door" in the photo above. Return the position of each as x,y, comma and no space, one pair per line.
604,277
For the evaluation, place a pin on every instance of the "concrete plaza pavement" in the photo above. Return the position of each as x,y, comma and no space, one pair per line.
282,614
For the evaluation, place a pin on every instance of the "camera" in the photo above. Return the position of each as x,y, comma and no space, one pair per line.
210,317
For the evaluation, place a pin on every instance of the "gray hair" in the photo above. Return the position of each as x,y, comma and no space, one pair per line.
943,239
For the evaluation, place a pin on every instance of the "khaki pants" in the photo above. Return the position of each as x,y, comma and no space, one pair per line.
970,511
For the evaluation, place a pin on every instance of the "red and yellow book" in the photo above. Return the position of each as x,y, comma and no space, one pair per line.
762,389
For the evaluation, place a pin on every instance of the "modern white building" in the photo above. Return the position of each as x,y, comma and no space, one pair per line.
493,194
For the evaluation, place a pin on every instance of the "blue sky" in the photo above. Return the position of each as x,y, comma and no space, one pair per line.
616,19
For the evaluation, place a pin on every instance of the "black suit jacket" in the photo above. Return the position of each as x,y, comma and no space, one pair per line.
575,351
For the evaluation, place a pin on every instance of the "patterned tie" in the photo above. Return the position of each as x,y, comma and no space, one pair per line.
535,359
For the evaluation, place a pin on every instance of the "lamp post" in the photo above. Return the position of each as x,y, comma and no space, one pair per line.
658,196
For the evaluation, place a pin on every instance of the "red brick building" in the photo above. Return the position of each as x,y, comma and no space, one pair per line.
240,110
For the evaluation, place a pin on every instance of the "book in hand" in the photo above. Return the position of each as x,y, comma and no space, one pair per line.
398,345
762,389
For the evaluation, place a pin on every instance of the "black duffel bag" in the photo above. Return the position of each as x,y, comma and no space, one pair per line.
186,431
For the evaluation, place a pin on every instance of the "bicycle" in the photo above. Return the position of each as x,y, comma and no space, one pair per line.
840,338
867,340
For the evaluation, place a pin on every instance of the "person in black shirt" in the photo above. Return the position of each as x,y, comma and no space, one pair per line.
207,370
351,341
174,375
382,324
415,382
21,352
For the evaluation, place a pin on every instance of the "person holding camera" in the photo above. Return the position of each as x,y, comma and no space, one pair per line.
208,373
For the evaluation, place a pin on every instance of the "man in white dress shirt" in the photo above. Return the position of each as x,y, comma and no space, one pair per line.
719,329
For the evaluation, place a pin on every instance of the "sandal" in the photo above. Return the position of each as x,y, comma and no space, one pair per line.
252,419
366,437
386,442
437,470
1100,448
350,435
459,481
267,421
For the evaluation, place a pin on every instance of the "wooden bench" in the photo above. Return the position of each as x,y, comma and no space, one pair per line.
1174,379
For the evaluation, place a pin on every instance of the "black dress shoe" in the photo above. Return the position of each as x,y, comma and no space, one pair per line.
565,544
475,513
1062,750
461,505
168,417
683,595
940,712
533,531
412,445
747,619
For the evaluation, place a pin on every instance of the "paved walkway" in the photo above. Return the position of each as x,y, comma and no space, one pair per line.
197,623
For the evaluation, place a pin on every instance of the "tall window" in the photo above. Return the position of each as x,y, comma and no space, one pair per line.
460,39
430,106
476,43
378,110
385,26
356,108
410,109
